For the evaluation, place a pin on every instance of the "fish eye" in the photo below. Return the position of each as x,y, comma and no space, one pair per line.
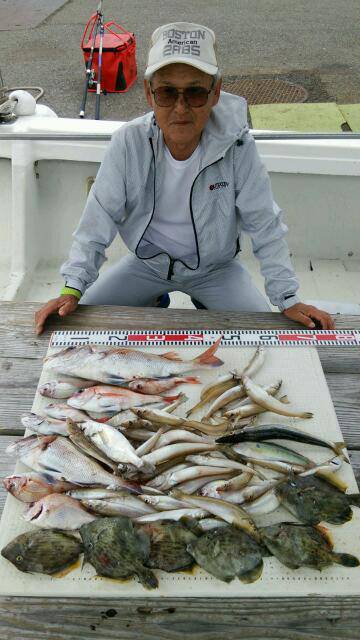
19,558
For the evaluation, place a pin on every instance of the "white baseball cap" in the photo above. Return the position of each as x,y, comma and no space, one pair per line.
184,42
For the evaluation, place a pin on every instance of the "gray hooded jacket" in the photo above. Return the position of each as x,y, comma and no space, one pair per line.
230,194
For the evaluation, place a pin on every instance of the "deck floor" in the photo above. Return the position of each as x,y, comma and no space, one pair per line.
335,283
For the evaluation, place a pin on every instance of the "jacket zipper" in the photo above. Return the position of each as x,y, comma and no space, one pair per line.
171,269
173,260
191,209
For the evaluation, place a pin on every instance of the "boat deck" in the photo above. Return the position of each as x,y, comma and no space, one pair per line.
333,283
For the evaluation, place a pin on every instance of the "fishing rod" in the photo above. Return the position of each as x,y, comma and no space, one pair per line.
98,27
98,84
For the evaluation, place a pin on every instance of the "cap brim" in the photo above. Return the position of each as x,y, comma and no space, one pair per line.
210,69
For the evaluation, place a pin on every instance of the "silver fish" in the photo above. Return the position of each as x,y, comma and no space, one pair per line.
233,514
259,396
150,443
113,366
207,524
173,514
62,389
163,502
122,505
44,426
30,487
181,435
159,386
193,486
63,411
93,493
79,439
59,456
57,511
190,473
174,450
112,442
107,398
161,417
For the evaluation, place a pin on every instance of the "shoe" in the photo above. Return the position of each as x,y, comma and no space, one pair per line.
197,304
163,301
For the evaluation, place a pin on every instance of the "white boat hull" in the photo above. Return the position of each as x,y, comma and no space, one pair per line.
44,184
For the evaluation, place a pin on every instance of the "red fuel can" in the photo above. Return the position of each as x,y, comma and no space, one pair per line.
118,69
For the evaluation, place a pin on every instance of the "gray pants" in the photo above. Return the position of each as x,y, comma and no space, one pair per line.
131,283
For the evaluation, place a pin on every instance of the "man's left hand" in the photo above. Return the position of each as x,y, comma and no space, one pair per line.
306,314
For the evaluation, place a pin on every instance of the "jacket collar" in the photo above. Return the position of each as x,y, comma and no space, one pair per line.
226,125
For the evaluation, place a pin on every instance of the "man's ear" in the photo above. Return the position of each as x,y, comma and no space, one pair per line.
148,94
217,92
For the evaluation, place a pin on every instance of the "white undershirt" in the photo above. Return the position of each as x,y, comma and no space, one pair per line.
171,227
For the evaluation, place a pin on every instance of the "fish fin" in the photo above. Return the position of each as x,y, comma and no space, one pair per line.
232,438
147,578
59,353
190,380
172,355
148,469
345,559
252,575
208,358
46,440
354,498
109,394
112,378
325,533
170,399
133,487
339,449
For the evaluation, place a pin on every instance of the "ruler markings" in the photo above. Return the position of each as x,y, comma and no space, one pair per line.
206,337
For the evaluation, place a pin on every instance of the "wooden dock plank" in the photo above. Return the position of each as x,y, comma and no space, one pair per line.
315,618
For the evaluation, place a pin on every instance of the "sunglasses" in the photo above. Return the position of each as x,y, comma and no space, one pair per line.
193,96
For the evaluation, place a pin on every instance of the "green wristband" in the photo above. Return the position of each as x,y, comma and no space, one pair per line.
72,292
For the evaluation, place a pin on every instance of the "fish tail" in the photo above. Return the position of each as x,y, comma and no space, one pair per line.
190,380
208,358
338,447
170,399
346,559
119,484
306,415
354,498
253,574
147,578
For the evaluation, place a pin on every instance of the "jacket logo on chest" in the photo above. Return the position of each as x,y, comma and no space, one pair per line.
218,185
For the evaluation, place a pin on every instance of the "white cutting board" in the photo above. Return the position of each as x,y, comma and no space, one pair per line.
306,387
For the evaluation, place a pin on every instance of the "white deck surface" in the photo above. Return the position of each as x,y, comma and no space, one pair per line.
328,281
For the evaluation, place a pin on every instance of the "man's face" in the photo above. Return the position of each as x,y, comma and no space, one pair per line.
180,123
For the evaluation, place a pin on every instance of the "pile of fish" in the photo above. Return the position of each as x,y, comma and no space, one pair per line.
117,476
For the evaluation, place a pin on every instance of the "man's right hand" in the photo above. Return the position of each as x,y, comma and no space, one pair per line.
63,305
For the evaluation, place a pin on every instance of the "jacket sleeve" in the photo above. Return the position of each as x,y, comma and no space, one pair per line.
97,227
261,218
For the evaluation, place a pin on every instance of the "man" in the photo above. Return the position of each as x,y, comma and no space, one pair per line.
180,184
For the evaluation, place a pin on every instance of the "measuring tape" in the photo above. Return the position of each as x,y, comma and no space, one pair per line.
230,338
